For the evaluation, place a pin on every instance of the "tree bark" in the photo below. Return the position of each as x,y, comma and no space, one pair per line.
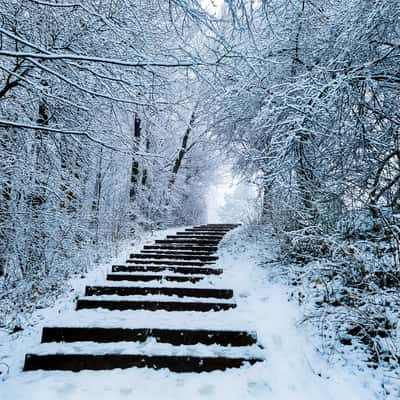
182,151
135,167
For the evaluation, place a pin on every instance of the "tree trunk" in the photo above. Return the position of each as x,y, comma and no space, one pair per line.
97,197
135,168
182,151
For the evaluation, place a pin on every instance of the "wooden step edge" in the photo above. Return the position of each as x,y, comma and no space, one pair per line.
168,268
167,291
155,305
194,242
167,255
169,262
196,237
191,248
174,253
148,278
170,336
202,232
79,362
221,231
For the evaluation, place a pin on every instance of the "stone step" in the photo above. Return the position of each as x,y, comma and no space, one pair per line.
193,242
164,291
187,247
79,362
171,336
168,262
168,255
154,305
149,278
167,268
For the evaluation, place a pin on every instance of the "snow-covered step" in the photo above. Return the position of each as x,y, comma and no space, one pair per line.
214,227
154,297
167,268
170,324
207,283
172,336
228,320
153,305
166,291
149,347
193,242
171,255
172,247
76,356
182,235
196,238
79,362
221,231
167,262
151,277
201,234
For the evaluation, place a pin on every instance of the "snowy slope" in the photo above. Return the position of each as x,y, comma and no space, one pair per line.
293,369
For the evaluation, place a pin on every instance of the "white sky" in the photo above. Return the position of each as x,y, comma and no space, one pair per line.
226,184
217,192
212,6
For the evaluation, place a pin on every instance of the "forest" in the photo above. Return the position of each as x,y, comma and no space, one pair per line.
116,117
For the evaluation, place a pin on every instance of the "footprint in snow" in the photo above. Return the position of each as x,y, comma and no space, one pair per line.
66,388
206,390
126,391
277,340
258,387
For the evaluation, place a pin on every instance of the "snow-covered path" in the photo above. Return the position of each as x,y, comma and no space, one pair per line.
293,369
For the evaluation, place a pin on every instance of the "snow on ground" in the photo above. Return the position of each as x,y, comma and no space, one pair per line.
293,369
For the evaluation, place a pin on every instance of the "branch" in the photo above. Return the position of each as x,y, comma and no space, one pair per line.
114,61
25,125
79,87
7,123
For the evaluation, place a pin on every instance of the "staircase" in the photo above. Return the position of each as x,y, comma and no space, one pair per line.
167,276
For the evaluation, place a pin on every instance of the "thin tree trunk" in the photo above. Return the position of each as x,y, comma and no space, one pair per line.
182,151
135,168
97,196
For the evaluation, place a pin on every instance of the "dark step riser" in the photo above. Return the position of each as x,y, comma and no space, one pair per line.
162,291
168,262
177,270
189,242
216,226
173,336
152,305
201,229
150,278
173,256
197,243
207,231
210,229
79,362
182,248
171,253
190,237
201,233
